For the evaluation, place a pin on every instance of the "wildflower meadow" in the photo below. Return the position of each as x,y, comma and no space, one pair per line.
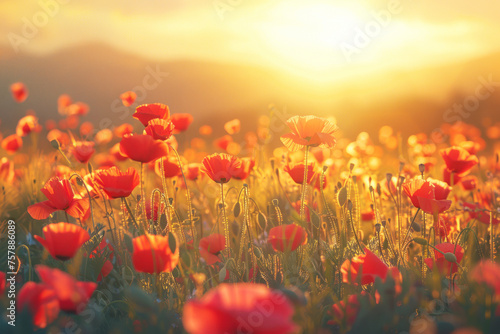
156,226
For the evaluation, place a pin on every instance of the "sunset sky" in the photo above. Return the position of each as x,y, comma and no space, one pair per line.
319,40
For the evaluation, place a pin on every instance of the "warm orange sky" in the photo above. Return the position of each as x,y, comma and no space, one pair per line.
317,39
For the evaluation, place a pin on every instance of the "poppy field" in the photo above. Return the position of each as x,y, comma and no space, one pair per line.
155,226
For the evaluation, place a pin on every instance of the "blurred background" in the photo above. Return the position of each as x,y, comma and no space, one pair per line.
410,64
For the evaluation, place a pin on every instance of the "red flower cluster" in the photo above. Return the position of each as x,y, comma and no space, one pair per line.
57,291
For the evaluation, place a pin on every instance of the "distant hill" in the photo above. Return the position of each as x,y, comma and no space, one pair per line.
413,100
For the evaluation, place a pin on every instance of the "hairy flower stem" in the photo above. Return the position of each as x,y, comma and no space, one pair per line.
225,222
424,248
355,232
143,198
130,212
304,185
491,237
165,192
188,196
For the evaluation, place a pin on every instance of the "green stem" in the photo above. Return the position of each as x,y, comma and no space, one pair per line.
224,218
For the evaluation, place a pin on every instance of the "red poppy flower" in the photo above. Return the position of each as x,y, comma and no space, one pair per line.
7,173
469,182
220,167
205,130
309,131
487,272
77,109
72,295
170,167
128,98
26,125
192,171
441,189
232,127
12,143
123,130
429,196
41,300
2,283
320,154
143,148
347,312
211,246
296,172
367,215
441,263
146,112
63,101
239,308
83,150
115,183
159,128
287,237
19,92
71,122
418,188
63,240
476,212
458,160
367,266
181,122
86,128
60,196
244,170
152,254
470,146
223,142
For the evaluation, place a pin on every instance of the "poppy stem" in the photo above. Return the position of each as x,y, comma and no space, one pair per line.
409,228
188,196
224,219
143,197
491,237
130,213
304,185
165,191
355,232
424,248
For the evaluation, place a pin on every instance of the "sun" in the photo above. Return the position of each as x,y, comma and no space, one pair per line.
305,37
